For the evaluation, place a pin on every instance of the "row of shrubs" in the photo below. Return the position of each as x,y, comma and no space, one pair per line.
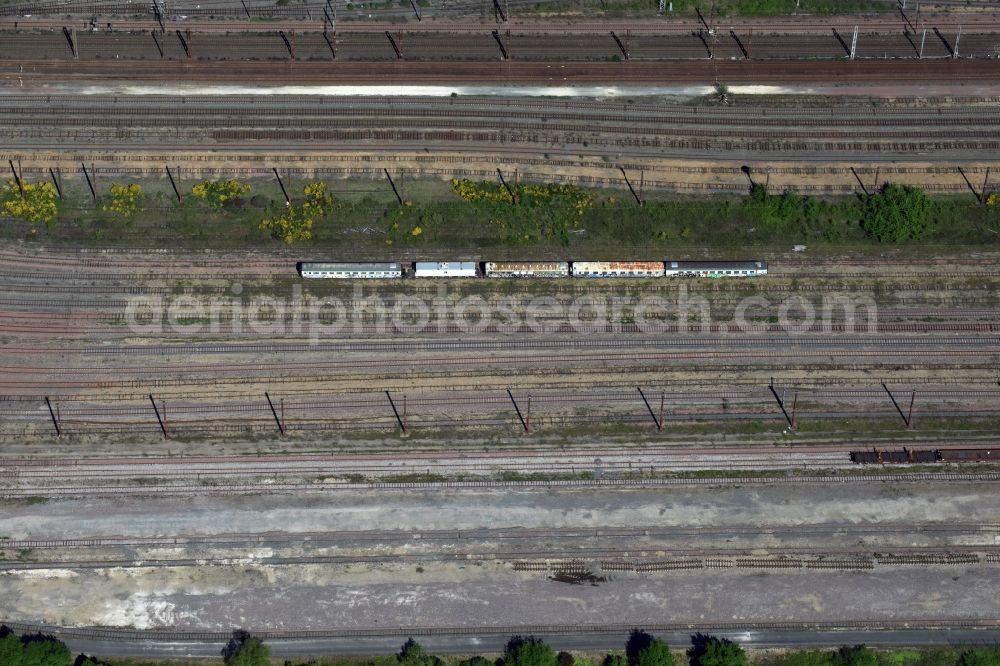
641,649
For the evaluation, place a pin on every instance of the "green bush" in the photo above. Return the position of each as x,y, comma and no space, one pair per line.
246,650
896,214
807,658
528,651
43,650
11,649
711,651
980,657
641,649
773,210
412,654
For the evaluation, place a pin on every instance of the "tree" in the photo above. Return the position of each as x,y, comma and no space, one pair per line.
11,650
413,654
980,657
711,651
528,651
41,650
565,659
859,655
896,214
615,660
246,650
641,649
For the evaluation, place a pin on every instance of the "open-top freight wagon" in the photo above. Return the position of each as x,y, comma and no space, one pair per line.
904,456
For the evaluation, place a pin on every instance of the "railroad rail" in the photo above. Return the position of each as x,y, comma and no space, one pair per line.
415,43
268,634
454,73
679,534
268,486
608,559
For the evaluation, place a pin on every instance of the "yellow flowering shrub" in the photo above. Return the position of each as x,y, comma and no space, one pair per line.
297,221
218,193
289,228
39,205
124,199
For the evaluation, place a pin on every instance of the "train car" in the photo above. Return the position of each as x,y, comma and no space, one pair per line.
715,269
865,457
351,271
968,455
627,269
422,269
925,456
528,269
894,457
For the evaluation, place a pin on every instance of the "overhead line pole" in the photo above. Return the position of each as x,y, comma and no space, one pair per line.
524,424
281,426
55,181
55,421
400,420
160,419
17,178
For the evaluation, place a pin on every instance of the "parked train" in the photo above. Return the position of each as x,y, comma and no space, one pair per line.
886,457
531,269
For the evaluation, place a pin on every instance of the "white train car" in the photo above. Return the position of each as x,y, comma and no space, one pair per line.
351,271
422,269
628,269
528,269
715,269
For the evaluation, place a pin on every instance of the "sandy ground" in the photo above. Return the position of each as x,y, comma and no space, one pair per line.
248,591
684,173
328,597
407,510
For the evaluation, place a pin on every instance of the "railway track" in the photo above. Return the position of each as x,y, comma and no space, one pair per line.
675,534
668,132
254,160
517,344
414,44
676,131
266,487
45,265
576,560
38,478
376,401
262,424
320,388
454,73
220,637
117,105
514,141
47,325
225,16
